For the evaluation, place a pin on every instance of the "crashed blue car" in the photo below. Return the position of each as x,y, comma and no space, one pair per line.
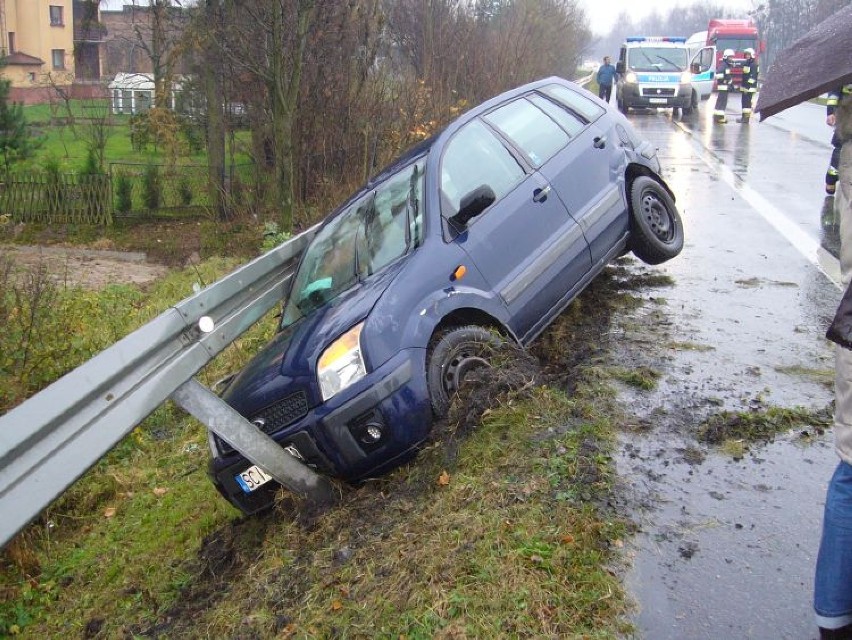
494,225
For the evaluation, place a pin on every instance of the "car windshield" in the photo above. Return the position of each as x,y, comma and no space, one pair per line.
737,43
369,234
657,59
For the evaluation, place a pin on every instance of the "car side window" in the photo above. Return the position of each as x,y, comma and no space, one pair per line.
567,120
395,221
575,101
473,158
536,134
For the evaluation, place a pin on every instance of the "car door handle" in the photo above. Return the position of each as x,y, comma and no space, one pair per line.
600,142
540,195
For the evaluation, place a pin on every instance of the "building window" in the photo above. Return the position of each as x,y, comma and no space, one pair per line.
58,58
31,76
56,16
11,42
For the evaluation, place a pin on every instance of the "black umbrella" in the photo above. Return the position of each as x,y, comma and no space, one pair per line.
817,62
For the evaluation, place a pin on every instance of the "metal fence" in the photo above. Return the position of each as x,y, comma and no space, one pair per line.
51,439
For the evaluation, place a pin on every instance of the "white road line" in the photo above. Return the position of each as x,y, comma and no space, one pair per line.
809,247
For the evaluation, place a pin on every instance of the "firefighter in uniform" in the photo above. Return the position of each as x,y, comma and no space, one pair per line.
724,84
749,83
830,106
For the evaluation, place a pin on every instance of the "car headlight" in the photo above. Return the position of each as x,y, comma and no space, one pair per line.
685,77
630,78
341,364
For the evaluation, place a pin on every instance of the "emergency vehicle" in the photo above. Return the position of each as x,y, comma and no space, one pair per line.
737,35
661,71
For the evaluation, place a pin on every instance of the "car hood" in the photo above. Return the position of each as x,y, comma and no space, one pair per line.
288,363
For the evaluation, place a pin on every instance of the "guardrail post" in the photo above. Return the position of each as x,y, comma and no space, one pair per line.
253,443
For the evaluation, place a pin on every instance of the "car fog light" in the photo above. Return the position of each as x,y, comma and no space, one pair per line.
372,434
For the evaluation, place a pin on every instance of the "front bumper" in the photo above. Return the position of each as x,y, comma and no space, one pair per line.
651,96
337,438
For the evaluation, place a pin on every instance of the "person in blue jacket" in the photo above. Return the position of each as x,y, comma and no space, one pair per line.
605,78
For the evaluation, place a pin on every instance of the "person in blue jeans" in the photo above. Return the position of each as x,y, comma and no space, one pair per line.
605,78
833,577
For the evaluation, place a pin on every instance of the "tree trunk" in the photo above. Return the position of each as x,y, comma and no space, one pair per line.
215,118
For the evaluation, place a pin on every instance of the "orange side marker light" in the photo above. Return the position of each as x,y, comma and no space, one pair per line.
458,274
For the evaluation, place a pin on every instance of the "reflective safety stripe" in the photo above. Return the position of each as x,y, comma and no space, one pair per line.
832,171
723,87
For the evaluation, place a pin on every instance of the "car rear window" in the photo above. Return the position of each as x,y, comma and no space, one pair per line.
533,131
575,101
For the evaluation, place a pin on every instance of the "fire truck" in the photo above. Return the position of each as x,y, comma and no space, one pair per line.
738,35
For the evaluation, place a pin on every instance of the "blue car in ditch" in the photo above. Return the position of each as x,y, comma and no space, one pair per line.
491,227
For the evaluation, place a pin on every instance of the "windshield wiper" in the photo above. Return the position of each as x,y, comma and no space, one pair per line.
664,59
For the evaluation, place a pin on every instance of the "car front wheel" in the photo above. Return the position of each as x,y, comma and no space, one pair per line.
656,227
454,354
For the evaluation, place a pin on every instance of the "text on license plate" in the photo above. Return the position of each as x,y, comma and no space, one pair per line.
252,478
657,100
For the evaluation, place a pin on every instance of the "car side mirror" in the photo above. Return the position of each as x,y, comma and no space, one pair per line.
619,67
474,203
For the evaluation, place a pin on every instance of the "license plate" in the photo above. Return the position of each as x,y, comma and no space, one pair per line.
252,479
657,100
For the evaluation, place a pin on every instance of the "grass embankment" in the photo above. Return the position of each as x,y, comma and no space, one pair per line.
500,528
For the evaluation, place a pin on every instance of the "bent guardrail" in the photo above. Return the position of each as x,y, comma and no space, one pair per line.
53,438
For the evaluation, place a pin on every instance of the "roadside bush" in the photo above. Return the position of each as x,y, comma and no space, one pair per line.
273,236
55,190
152,188
91,166
123,193
185,192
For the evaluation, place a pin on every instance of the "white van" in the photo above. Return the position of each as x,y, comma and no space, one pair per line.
662,72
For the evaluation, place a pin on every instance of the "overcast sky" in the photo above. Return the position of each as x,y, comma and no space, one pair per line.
601,13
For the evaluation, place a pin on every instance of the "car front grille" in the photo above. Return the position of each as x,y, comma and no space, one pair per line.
276,416
282,413
663,92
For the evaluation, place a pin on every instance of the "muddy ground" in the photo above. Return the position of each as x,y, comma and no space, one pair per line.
89,268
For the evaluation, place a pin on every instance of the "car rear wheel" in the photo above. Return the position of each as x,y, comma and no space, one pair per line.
453,355
656,227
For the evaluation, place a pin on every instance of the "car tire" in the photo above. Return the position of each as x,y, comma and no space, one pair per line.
453,354
656,230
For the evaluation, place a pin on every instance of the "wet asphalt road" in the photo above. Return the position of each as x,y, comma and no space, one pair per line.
727,547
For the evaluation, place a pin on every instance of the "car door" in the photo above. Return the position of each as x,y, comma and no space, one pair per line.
588,174
703,68
525,244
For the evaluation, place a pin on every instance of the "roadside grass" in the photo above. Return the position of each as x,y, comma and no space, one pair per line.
822,376
733,432
50,329
504,529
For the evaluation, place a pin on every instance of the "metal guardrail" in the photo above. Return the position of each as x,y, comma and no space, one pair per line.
54,437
